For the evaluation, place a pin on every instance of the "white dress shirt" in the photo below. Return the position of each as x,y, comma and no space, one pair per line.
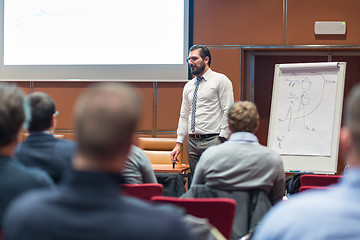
214,98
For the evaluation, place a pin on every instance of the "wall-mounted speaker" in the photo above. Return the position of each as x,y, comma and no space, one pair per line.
330,27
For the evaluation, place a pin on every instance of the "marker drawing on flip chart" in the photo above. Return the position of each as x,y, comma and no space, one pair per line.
305,113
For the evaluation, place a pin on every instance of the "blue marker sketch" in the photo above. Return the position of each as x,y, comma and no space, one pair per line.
306,99
301,105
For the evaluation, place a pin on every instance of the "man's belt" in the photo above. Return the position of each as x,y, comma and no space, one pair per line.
203,136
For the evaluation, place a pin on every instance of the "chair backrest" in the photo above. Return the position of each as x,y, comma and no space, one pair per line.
158,149
318,180
304,188
143,191
219,211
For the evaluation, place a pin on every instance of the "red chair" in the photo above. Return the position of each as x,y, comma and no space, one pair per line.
304,188
143,191
318,180
219,211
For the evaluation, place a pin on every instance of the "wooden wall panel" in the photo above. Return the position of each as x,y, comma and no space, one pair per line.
245,22
301,17
227,61
146,91
64,95
169,97
352,75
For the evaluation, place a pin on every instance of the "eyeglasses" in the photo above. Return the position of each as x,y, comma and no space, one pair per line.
193,59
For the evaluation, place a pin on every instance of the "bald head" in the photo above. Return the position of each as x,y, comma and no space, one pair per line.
106,117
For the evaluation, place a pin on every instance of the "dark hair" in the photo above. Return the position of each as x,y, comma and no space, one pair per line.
204,52
11,113
41,108
243,117
106,117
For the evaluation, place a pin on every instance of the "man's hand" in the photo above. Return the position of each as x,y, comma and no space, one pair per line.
175,152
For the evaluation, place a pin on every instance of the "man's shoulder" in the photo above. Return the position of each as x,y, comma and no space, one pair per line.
137,155
218,76
63,143
265,152
189,84
27,175
300,213
28,205
32,200
129,217
36,141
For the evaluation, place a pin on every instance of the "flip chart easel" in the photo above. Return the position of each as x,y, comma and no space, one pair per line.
305,118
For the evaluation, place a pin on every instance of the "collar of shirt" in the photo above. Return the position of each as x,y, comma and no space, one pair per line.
245,137
88,182
42,132
206,75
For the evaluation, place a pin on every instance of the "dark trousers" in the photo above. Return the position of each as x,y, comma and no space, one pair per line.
195,147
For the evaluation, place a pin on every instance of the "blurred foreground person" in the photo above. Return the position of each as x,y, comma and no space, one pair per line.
15,178
88,205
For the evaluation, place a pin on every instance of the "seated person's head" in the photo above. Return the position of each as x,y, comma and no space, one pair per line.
11,113
40,112
243,117
106,117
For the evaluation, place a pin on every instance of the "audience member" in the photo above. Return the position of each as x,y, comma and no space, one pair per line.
87,204
324,214
138,168
241,169
41,149
242,163
15,178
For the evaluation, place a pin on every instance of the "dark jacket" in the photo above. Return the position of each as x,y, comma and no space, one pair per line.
89,206
44,151
16,179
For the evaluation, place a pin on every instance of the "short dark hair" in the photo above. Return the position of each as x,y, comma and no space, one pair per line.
352,114
243,117
204,52
106,117
40,108
11,113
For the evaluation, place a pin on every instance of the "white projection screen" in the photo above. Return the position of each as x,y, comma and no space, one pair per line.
92,39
